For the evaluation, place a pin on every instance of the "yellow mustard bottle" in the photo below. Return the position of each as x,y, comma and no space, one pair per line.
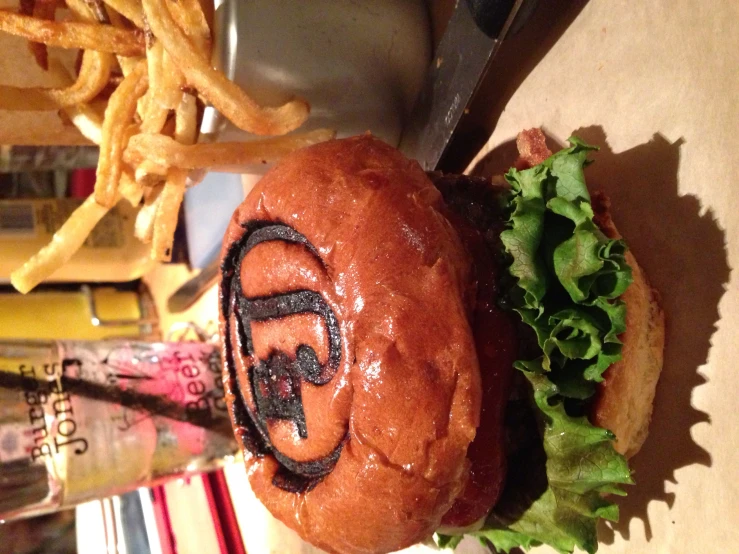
88,313
110,254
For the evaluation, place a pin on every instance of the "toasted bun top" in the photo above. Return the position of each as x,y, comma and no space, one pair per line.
351,371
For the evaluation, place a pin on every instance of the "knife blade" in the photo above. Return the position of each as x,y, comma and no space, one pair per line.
473,35
194,288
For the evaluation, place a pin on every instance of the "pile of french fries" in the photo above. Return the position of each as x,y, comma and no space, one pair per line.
144,75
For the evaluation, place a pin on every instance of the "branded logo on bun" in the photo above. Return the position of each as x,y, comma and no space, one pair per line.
274,386
409,355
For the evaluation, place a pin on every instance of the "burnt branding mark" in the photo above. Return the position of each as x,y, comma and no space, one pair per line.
275,383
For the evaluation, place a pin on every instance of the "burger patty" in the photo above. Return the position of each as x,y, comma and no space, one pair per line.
475,210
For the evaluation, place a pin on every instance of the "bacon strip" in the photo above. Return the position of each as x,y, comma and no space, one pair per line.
532,148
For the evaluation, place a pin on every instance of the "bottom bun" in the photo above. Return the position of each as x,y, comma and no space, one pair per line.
624,400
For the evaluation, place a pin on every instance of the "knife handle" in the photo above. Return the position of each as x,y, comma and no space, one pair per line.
491,15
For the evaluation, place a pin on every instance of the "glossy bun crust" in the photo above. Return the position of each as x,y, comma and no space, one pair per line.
351,370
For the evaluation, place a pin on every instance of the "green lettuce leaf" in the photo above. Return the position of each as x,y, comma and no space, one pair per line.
524,237
567,272
568,276
447,541
581,466
587,264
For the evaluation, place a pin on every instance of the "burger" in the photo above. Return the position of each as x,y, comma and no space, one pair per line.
412,355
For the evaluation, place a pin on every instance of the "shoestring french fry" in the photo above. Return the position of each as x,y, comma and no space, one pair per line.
155,110
186,119
40,9
88,121
150,173
167,152
130,9
94,76
173,82
118,115
168,209
129,189
189,16
95,11
144,225
227,97
74,34
66,241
